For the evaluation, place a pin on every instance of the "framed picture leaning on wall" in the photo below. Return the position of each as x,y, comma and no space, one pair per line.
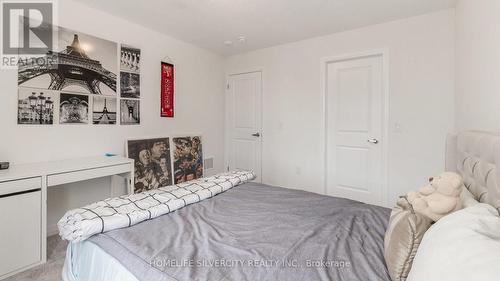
153,168
187,158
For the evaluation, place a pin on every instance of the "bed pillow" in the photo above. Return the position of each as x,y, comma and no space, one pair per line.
405,231
462,246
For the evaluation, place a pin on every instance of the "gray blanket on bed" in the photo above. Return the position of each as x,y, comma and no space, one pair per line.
256,232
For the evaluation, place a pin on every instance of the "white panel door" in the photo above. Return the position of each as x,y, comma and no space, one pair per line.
244,118
354,121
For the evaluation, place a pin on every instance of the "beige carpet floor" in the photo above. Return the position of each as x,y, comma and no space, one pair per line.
51,271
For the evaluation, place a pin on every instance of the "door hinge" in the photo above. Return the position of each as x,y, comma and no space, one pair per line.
228,168
227,86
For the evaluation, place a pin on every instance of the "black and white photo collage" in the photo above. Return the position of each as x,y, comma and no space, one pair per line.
76,83
130,85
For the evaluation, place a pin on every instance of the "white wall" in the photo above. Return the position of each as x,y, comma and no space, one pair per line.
478,65
421,51
421,99
199,101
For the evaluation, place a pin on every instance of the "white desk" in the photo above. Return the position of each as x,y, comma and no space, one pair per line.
23,204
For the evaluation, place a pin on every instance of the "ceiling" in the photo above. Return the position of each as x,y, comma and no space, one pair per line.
264,23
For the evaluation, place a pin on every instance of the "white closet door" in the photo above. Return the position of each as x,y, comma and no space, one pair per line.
244,128
354,129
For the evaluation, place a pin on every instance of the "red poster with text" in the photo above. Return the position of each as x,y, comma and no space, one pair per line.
167,90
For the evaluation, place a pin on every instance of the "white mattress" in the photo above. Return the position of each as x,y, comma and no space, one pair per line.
86,261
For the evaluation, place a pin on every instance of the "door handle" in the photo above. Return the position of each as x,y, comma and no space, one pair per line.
256,134
372,140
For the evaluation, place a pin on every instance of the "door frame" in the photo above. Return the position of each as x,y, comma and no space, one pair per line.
384,53
226,117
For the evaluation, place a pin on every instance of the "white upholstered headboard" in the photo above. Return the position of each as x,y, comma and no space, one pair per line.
476,156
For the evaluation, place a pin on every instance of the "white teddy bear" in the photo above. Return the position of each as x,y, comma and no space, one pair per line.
440,197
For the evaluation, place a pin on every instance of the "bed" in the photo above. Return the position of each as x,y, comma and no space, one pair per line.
259,232
251,232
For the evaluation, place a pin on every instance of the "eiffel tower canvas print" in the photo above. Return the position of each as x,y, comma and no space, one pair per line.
81,63
104,110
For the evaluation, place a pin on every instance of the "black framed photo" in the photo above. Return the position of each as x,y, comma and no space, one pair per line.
153,168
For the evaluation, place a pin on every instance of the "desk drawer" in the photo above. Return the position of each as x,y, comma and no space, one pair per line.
88,174
16,186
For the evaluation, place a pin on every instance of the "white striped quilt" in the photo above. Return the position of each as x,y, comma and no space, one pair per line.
124,211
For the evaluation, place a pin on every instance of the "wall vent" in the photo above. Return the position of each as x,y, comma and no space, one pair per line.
208,163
